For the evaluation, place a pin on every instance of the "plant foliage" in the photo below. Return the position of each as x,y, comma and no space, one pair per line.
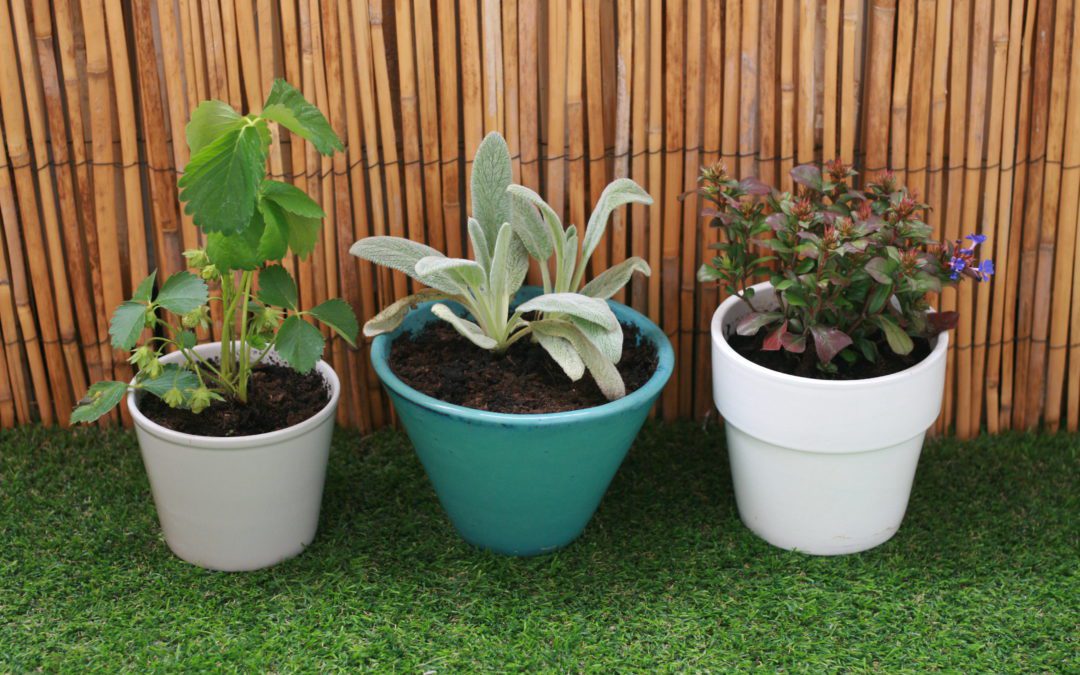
851,268
510,224
251,222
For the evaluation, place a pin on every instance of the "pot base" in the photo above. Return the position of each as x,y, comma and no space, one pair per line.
821,503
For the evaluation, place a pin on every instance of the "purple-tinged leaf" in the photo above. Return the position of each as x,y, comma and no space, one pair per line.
829,342
755,321
808,175
774,340
877,268
753,186
942,321
796,344
777,221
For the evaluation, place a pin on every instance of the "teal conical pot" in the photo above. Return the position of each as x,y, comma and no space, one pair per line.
521,484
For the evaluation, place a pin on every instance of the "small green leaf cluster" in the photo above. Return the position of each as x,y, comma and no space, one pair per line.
510,224
251,223
851,268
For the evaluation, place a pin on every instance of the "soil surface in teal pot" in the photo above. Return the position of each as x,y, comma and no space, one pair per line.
521,484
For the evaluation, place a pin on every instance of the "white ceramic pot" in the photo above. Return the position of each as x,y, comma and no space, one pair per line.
242,503
823,467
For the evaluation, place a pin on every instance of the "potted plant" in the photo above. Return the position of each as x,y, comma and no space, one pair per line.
234,434
489,378
828,374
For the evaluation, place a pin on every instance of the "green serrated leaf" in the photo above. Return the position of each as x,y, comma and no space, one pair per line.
277,288
237,251
145,289
221,181
209,122
127,324
187,339
182,293
288,107
299,343
173,376
337,314
303,233
100,399
291,199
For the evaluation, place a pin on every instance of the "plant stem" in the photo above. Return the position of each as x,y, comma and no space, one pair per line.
244,372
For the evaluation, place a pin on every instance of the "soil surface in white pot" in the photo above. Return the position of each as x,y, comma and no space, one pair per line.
441,363
278,398
805,364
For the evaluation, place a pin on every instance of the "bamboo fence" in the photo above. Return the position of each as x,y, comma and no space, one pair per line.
974,103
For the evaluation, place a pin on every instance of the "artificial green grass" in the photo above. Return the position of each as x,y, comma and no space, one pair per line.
982,577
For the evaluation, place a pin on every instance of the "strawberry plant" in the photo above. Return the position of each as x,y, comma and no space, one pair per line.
250,223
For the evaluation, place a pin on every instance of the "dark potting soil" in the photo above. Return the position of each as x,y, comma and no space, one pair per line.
444,365
805,365
278,397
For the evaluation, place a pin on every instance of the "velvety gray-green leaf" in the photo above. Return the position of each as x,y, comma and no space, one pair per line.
481,247
603,370
610,281
491,175
530,227
618,193
391,317
466,272
583,307
466,328
402,255
563,353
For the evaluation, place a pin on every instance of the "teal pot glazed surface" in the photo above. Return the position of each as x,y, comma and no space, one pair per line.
521,484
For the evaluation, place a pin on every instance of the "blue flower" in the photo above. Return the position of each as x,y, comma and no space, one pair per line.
957,265
976,238
986,268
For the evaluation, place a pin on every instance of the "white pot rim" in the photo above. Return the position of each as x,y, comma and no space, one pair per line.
236,442
940,348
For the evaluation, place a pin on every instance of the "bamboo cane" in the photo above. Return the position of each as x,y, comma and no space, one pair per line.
901,89
787,93
807,96
768,161
674,85
594,107
639,161
921,75
623,98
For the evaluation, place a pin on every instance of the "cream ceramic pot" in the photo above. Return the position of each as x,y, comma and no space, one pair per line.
242,503
823,467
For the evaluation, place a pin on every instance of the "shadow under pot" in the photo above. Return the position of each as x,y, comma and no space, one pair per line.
521,484
238,503
821,466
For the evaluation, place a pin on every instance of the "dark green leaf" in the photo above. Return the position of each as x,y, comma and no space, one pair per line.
182,293
173,376
899,341
337,314
221,181
878,298
187,339
127,324
208,122
145,289
299,343
277,288
303,233
288,107
291,198
100,399
237,251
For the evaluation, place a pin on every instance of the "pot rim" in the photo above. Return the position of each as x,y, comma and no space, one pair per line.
380,349
716,327
236,442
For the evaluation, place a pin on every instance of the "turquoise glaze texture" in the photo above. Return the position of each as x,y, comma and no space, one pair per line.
521,484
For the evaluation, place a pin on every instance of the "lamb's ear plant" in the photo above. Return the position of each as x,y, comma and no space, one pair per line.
573,324
251,222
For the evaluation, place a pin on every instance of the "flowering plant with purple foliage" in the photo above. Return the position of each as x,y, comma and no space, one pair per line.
851,268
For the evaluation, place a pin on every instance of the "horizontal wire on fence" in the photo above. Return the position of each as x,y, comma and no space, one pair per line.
610,154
